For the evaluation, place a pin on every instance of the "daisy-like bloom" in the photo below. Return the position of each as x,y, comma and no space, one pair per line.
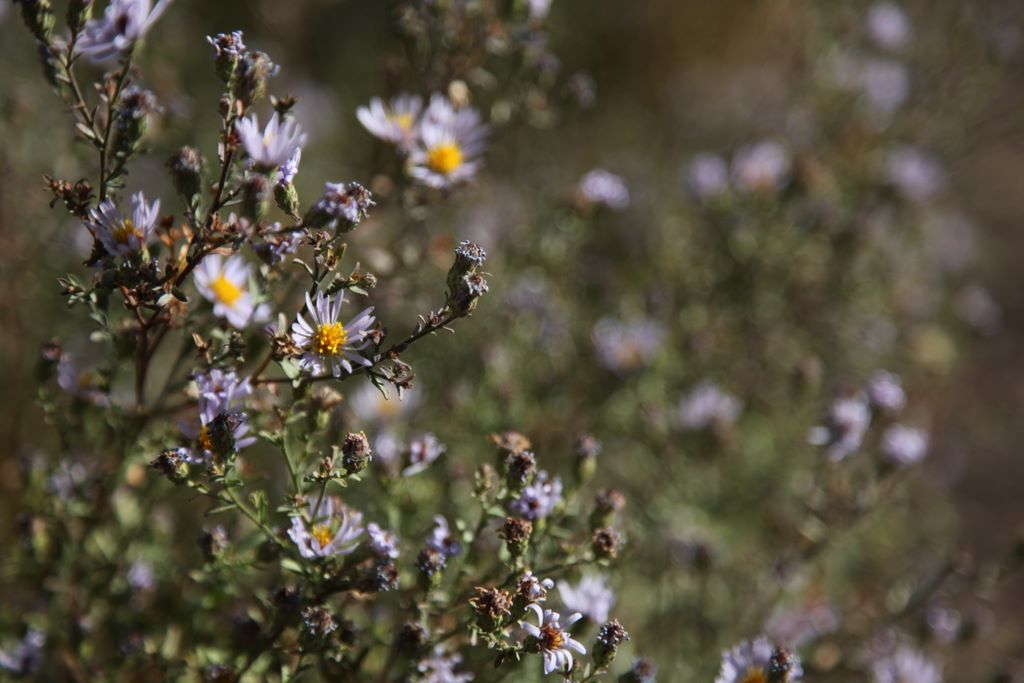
348,202
751,661
591,596
603,187
847,421
886,391
442,539
451,140
538,500
624,346
906,666
888,26
225,283
708,405
423,450
329,345
274,145
120,234
440,668
395,121
553,640
123,23
383,543
533,590
904,445
221,391
761,168
221,395
334,530
708,176
229,45
23,658
290,168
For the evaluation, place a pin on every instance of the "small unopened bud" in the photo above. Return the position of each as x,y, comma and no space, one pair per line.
38,16
227,51
381,577
468,258
520,467
431,563
464,297
780,666
250,79
317,625
287,198
493,607
609,637
516,533
131,119
355,453
79,12
587,449
186,167
530,591
255,197
213,542
606,544
171,463
412,640
607,503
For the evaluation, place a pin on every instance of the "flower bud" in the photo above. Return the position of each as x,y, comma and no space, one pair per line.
38,16
171,463
463,298
468,257
255,197
317,626
186,167
609,637
606,544
131,119
493,607
79,12
341,207
287,198
355,453
381,577
227,50
516,533
431,563
642,671
412,640
520,467
530,591
249,84
607,503
780,666
587,449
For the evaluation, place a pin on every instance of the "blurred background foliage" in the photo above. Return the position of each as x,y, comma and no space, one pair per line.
784,299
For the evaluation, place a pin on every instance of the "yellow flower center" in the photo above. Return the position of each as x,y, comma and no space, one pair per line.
226,290
755,674
328,339
551,637
125,231
321,534
445,159
203,440
404,121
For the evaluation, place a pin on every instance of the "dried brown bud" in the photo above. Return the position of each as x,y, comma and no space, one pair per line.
356,453
606,543
493,607
516,533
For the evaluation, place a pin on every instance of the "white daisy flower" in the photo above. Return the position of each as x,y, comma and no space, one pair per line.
334,530
423,450
749,661
225,283
907,665
396,121
591,596
451,140
221,391
904,445
120,234
123,23
272,146
440,668
708,405
383,543
554,641
331,346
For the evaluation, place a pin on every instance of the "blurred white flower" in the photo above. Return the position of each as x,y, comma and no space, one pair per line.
763,167
888,26
904,445
708,176
423,450
843,432
383,543
886,391
24,657
915,174
591,596
906,665
396,121
123,23
440,668
272,146
538,500
624,346
708,405
603,187
748,662
451,141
